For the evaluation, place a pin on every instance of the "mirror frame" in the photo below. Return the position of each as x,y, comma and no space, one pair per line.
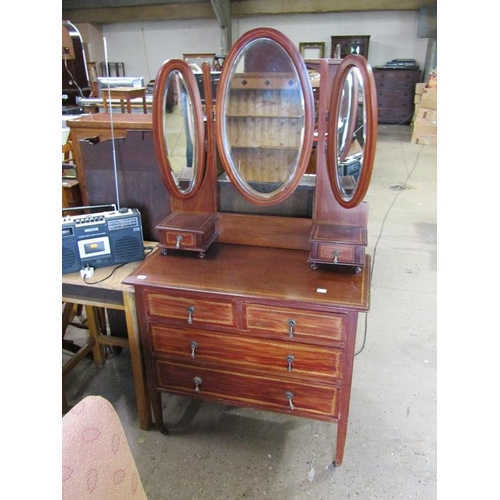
288,187
159,137
369,147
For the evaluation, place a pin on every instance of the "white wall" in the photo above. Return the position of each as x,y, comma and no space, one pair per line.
143,47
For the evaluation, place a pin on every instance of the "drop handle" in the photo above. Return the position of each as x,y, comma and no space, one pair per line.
194,346
190,311
290,359
178,241
336,256
197,382
291,325
289,397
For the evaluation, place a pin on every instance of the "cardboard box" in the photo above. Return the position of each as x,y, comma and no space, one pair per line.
417,99
425,116
424,133
419,88
428,140
429,99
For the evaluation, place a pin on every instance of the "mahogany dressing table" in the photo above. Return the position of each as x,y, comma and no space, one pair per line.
264,313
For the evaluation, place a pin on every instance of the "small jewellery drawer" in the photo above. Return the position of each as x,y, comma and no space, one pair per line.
284,358
337,253
190,310
295,324
246,388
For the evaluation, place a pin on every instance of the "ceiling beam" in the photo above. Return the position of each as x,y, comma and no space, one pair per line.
224,10
268,7
141,13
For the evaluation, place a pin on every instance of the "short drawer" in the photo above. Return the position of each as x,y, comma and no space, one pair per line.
294,324
190,310
246,388
337,253
289,359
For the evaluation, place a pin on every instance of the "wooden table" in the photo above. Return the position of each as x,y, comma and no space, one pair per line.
111,293
125,95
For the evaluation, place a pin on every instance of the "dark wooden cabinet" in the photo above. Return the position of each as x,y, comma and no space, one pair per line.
395,93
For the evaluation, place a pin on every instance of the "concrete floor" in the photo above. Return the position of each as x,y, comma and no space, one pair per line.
221,452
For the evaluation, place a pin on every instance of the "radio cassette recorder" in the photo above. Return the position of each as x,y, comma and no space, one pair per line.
101,239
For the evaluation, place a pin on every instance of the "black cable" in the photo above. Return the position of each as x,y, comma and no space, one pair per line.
380,235
114,270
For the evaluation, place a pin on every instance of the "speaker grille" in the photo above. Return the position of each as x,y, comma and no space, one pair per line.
128,249
69,259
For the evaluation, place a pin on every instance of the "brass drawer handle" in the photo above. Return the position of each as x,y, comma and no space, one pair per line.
178,240
336,256
290,359
197,382
194,345
289,397
291,324
190,311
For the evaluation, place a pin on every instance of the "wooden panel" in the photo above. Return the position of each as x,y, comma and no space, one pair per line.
247,352
309,326
247,388
214,312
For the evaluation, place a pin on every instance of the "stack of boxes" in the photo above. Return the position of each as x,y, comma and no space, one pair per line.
424,124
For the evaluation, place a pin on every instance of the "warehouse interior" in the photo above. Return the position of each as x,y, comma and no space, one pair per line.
217,450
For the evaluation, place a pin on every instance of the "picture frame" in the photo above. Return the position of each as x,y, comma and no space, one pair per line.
312,50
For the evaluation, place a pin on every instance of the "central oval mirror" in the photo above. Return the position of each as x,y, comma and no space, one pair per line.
265,115
352,131
178,129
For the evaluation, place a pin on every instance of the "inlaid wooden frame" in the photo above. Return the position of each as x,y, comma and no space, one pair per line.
312,50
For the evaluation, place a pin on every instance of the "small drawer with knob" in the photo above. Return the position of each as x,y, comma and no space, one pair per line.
322,328
190,310
293,360
249,388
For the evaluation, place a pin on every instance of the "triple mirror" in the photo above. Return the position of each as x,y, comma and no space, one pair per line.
266,125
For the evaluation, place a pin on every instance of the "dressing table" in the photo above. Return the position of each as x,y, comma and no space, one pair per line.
263,313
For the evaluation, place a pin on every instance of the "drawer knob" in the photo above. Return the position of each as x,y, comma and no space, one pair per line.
194,345
190,311
197,382
178,240
291,324
289,397
290,358
336,256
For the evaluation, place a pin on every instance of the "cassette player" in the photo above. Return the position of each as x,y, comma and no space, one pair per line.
101,239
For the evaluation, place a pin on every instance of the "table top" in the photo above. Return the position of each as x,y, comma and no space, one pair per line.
257,272
137,121
107,278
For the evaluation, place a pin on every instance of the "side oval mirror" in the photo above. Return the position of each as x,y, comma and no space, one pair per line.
178,129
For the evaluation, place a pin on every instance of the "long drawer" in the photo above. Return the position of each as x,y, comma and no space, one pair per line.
321,328
249,389
290,359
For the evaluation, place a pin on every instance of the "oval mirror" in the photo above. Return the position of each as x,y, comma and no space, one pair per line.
178,130
264,116
352,131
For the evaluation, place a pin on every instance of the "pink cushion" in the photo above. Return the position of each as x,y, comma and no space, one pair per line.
96,459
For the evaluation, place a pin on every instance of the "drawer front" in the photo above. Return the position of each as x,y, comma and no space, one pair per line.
288,359
337,253
180,239
191,310
294,324
244,388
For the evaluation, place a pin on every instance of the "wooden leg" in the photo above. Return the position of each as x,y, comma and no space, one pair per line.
93,323
141,389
